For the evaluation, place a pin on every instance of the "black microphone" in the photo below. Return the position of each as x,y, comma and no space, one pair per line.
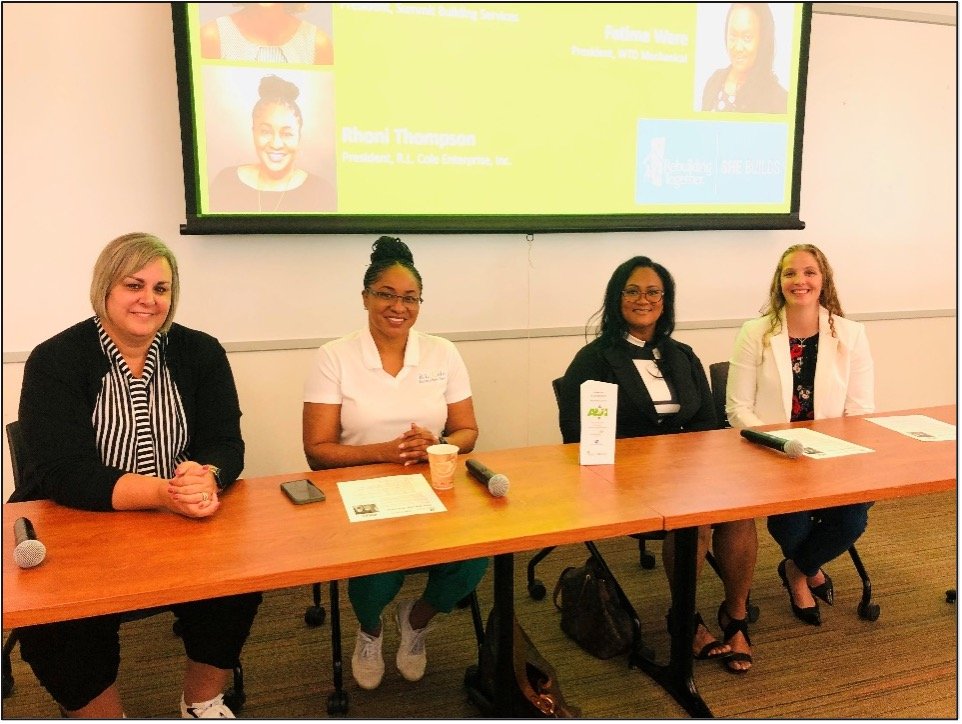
496,482
28,551
792,448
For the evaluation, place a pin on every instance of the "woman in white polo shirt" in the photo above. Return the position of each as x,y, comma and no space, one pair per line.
384,394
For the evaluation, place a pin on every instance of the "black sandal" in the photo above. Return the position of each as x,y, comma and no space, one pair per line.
735,626
706,650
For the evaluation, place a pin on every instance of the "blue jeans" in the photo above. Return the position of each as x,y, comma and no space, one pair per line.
813,538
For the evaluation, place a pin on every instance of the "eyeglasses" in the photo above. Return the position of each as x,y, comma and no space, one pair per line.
633,294
406,299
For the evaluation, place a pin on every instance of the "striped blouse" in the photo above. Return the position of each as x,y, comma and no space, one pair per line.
139,423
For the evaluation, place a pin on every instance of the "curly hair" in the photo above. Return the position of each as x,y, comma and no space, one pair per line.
273,90
828,297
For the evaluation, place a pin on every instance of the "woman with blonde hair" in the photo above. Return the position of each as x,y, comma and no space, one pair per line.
127,410
803,360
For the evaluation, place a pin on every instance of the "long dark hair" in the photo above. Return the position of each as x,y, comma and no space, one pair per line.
386,252
613,326
764,65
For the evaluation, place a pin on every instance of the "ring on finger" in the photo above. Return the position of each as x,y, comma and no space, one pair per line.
204,496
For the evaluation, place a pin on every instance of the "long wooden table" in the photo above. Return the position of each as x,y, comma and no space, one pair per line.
714,477
99,563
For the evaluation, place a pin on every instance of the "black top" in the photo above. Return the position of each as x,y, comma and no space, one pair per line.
61,381
229,193
760,93
636,411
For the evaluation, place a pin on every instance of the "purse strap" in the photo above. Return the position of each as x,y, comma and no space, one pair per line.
557,586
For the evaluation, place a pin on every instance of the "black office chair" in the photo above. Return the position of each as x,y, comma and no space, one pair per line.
234,697
718,372
536,588
337,700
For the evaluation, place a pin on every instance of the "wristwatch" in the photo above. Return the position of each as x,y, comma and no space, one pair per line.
216,471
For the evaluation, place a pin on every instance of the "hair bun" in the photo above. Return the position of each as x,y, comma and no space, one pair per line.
273,87
388,248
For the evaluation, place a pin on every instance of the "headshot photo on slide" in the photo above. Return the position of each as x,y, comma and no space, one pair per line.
295,33
743,57
269,140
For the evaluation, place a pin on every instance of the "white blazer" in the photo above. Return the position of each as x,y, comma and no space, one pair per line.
760,375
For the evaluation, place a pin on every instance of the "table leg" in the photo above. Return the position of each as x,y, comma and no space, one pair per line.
677,678
492,684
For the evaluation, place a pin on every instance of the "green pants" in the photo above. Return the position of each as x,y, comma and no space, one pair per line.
448,583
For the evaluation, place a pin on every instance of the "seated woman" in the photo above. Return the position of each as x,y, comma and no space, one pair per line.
384,394
662,389
129,411
802,360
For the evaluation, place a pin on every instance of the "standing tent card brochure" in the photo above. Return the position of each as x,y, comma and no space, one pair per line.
599,412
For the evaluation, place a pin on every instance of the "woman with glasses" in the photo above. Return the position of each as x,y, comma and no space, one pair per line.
662,389
802,360
383,394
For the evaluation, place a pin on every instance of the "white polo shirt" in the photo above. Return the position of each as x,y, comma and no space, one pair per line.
376,407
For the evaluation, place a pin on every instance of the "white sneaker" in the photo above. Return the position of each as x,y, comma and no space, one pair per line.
412,659
213,709
367,663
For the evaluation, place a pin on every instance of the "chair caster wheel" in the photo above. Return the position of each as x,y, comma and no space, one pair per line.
647,561
337,703
536,590
178,628
869,612
314,616
235,701
949,598
753,613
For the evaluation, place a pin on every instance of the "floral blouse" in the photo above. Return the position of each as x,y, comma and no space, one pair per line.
804,355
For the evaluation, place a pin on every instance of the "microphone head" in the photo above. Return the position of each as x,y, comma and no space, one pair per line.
29,553
498,485
794,448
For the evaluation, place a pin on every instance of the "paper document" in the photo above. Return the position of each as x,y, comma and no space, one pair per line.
818,445
599,413
391,497
921,427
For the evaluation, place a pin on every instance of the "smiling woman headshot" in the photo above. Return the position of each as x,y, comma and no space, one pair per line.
749,83
275,183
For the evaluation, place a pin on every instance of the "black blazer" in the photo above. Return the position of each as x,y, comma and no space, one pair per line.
607,362
61,381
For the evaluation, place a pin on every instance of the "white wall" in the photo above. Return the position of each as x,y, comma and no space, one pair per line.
91,149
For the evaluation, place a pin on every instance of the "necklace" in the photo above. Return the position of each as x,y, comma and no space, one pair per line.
280,199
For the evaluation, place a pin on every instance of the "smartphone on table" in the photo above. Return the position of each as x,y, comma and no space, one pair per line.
302,491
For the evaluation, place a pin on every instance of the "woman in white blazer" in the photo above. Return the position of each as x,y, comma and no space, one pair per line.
802,360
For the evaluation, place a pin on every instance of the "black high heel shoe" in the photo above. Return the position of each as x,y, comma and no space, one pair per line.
824,590
810,615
